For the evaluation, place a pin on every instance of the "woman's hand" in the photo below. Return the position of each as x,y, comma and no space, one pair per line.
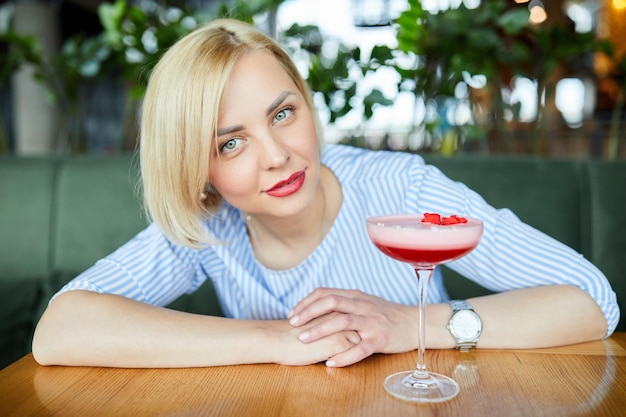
291,351
382,326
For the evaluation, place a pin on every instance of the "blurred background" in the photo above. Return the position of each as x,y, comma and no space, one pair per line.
441,76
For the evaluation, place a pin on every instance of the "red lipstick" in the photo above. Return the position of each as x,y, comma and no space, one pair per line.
289,186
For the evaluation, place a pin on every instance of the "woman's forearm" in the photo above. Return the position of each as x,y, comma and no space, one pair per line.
550,315
84,328
90,329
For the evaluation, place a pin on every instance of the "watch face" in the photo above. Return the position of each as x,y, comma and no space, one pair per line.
466,325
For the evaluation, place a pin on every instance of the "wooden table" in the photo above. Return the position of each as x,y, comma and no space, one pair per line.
581,380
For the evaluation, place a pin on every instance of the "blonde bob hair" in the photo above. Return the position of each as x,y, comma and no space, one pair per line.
179,123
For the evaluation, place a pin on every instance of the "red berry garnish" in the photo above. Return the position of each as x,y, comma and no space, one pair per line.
433,218
449,220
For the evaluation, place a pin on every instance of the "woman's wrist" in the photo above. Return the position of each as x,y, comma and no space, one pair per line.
437,334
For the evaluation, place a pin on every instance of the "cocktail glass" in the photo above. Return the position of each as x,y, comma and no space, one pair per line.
407,238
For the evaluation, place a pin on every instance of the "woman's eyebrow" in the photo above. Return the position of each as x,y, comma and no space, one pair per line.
273,106
227,130
278,101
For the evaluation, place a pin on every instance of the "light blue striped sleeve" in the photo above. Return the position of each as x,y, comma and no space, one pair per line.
149,268
512,254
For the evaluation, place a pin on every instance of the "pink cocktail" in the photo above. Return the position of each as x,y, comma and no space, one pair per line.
424,241
406,238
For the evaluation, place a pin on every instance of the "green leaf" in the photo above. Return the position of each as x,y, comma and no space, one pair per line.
375,97
514,21
111,16
381,53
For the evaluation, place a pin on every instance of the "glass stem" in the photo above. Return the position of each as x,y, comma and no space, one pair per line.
423,279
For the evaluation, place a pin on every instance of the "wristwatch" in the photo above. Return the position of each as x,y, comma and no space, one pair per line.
465,325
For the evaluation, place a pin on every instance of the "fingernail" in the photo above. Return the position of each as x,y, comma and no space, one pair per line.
304,336
294,320
330,363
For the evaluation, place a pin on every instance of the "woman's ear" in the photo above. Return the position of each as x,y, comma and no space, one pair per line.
208,189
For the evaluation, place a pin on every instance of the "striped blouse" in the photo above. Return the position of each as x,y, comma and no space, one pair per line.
152,269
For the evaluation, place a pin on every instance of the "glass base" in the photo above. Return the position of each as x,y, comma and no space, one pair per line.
431,388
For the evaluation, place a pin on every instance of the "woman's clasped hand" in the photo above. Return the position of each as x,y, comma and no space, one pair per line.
382,326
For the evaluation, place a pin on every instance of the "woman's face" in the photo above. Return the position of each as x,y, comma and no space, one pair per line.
267,159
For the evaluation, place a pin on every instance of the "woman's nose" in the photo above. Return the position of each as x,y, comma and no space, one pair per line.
275,153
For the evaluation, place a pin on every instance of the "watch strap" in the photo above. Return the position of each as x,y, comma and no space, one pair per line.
465,346
458,305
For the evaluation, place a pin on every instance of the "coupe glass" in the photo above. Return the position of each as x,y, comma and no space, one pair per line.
407,238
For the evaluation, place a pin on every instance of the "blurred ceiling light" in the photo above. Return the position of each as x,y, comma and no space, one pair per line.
537,12
570,100
524,92
471,4
619,4
581,16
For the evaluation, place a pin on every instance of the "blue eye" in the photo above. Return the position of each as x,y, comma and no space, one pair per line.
229,145
283,114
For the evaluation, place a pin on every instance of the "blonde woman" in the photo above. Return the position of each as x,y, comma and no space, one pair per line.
241,191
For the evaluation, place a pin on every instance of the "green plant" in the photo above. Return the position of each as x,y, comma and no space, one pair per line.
335,77
455,44
494,40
